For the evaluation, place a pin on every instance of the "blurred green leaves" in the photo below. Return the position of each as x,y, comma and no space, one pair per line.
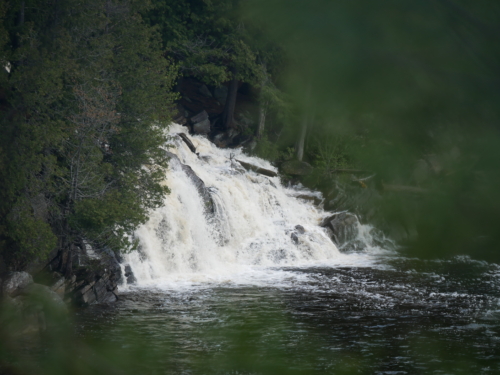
419,82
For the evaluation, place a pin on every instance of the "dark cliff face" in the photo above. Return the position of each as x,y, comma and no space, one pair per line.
97,273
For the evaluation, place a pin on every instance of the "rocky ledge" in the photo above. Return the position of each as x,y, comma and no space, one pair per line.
32,296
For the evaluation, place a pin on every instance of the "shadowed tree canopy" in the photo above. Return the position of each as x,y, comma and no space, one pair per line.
210,41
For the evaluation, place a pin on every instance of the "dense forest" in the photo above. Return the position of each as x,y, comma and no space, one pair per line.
399,124
87,91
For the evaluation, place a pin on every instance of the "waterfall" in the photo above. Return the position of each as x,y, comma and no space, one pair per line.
250,223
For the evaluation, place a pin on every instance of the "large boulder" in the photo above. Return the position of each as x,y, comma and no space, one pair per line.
296,168
343,227
202,127
201,123
16,282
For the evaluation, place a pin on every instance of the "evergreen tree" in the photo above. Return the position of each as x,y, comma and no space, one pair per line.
87,102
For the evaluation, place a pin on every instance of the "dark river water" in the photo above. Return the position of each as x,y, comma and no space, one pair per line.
407,317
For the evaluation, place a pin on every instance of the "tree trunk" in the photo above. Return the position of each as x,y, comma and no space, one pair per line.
302,139
305,123
20,21
228,114
262,120
263,104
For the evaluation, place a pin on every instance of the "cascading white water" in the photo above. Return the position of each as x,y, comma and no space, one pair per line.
250,231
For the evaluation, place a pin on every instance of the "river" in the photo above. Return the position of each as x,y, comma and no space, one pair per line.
238,289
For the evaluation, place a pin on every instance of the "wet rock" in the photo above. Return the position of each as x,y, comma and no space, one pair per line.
296,168
296,233
15,282
202,127
59,286
96,289
343,227
221,140
198,183
300,229
129,275
187,141
256,169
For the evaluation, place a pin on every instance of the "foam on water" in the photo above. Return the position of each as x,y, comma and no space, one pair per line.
247,240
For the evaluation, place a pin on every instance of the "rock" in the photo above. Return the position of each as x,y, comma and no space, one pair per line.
300,229
202,116
202,127
221,140
129,275
198,183
310,197
296,233
187,141
59,287
220,94
203,90
16,282
342,226
256,169
296,168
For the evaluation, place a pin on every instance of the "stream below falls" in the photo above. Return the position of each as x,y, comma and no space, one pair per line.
232,287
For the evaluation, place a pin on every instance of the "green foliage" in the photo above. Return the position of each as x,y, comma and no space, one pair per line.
33,235
406,74
330,153
211,41
87,103
267,149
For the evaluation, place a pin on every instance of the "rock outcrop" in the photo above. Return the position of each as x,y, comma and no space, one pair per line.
201,122
342,226
256,169
198,183
15,282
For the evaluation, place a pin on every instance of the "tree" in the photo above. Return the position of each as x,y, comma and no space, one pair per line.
213,43
88,98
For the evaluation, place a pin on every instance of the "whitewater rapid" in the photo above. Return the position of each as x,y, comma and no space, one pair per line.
248,239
